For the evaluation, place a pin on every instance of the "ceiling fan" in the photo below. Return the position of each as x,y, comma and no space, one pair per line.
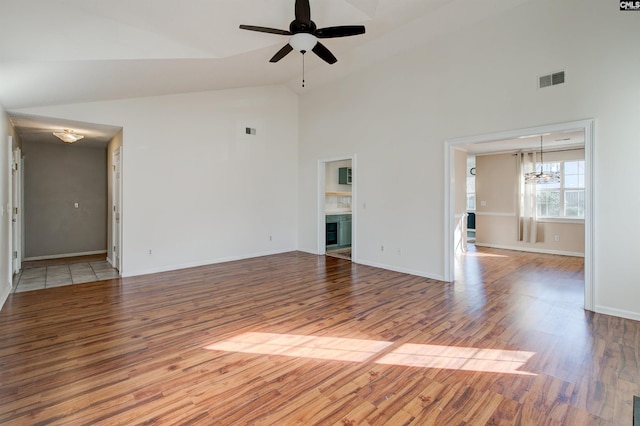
304,34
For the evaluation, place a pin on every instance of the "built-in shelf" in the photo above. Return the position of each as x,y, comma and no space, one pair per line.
338,193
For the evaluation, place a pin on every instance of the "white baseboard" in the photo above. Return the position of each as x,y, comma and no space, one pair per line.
60,256
532,249
385,266
309,251
202,263
618,312
4,294
398,269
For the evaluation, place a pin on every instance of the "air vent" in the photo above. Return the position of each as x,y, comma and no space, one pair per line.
250,131
551,79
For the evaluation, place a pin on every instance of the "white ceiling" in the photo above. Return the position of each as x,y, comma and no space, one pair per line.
68,51
550,142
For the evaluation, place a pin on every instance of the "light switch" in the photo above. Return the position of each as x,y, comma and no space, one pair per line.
75,205
483,203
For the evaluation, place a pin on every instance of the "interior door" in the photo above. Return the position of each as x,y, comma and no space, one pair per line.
16,211
116,209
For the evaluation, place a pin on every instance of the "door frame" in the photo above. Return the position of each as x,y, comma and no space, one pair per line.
588,127
9,237
16,198
116,213
321,237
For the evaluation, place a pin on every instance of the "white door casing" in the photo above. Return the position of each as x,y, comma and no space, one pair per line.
588,127
16,211
116,249
321,230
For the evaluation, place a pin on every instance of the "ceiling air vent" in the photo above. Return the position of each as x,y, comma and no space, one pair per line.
551,79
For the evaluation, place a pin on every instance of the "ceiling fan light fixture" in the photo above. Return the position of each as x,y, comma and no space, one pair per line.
303,42
68,136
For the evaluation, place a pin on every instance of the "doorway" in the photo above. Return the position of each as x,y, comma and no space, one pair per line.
336,195
451,146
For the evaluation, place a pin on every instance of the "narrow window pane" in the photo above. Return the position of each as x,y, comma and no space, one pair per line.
471,202
571,167
572,181
471,185
548,203
574,203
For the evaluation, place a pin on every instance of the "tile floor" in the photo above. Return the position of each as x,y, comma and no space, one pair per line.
343,253
36,278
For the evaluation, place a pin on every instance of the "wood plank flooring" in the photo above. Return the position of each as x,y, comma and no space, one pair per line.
301,339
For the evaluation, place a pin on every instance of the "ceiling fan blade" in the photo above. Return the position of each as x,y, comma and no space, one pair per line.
342,31
281,53
324,53
303,11
265,30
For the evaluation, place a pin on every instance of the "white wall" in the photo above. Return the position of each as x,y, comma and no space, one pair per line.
56,176
197,189
395,117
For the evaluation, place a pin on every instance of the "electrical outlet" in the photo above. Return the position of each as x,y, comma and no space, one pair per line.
556,237
150,252
399,251
270,237
381,248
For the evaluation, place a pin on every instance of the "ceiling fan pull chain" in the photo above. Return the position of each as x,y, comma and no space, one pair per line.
303,69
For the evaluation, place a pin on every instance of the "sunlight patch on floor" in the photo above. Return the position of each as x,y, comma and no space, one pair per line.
359,350
479,254
334,348
456,358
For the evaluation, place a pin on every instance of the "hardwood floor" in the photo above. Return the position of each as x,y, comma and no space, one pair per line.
302,339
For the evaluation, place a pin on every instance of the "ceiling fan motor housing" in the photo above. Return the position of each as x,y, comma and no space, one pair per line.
297,26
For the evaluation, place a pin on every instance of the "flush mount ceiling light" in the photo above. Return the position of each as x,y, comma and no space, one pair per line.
68,136
542,177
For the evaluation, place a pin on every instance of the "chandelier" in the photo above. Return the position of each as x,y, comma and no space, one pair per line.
542,176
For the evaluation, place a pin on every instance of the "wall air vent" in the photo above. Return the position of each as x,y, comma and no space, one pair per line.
551,79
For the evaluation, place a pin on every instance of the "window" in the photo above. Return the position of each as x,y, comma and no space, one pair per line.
564,199
471,183
471,193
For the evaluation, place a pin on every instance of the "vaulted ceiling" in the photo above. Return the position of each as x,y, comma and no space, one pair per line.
67,51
